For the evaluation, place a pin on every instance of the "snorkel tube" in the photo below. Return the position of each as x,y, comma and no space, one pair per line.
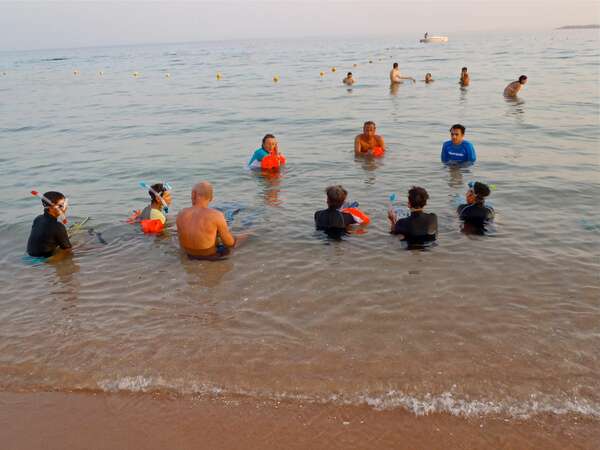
157,195
61,217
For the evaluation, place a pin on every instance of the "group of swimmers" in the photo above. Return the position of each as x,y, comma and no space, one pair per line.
203,231
511,90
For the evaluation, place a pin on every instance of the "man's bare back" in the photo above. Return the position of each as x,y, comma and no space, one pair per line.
199,226
513,88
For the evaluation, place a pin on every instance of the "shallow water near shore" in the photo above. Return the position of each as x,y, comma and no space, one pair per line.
505,325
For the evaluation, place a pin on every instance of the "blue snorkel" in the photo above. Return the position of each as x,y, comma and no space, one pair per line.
159,196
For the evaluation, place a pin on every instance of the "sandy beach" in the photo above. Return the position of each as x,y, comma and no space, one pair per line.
93,421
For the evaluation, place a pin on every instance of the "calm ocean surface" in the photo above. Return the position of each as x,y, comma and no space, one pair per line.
507,324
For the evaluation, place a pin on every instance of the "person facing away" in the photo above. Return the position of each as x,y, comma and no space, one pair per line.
426,35
396,76
428,78
154,211
200,227
458,150
47,233
269,148
513,88
418,228
475,213
465,79
369,143
349,80
331,220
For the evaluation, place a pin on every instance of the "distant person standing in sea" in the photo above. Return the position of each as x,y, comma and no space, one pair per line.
368,143
396,76
348,80
458,150
200,227
465,79
513,88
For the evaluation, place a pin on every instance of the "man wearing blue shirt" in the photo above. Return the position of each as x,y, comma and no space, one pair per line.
458,150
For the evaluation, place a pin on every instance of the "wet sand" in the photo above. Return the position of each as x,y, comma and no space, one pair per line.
56,420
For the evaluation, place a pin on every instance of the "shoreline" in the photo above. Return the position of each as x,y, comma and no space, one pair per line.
80,420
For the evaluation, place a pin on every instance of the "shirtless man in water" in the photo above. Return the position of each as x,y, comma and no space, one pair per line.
513,88
199,227
396,76
365,143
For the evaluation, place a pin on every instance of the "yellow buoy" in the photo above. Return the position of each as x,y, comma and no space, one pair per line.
370,62
218,75
276,78
354,65
76,72
100,73
333,69
136,74
167,75
322,74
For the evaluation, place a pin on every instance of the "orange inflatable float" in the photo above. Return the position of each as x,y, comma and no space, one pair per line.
272,162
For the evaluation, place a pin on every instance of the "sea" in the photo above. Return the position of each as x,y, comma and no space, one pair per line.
505,324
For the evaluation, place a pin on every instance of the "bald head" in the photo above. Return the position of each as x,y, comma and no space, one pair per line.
202,191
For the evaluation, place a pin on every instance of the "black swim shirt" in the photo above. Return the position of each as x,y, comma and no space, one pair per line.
418,228
333,221
476,213
47,233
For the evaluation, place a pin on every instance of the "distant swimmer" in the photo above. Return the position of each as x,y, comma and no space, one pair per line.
47,233
465,79
475,213
152,218
336,219
368,143
349,80
267,157
420,227
513,88
203,231
428,78
458,150
426,35
396,76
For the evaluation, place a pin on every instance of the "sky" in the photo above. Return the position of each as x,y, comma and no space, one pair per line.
29,25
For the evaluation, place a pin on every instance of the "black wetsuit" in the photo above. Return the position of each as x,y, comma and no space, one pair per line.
47,233
333,221
417,229
475,216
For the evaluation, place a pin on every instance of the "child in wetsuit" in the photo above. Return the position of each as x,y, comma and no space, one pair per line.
475,213
420,227
47,233
331,220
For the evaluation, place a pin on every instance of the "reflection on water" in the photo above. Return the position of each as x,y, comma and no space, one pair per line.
394,88
455,176
515,106
269,183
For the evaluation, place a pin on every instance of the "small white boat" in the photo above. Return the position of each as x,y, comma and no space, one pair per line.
434,39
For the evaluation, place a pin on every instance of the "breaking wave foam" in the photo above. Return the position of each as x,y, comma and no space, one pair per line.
446,402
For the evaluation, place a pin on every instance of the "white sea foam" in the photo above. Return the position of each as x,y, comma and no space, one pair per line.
446,402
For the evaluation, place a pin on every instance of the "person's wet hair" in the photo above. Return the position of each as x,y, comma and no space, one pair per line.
369,122
336,195
417,196
522,78
395,65
464,69
267,136
458,126
349,74
158,187
53,196
481,190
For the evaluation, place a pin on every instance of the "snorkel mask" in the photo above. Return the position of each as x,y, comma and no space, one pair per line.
157,195
48,204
